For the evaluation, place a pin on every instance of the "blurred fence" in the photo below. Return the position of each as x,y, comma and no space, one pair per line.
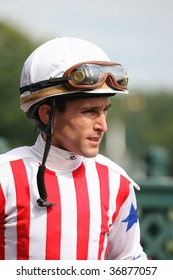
155,204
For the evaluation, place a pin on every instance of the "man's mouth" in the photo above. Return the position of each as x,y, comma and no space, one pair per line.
95,140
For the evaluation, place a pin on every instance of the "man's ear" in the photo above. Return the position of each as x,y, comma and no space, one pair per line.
44,113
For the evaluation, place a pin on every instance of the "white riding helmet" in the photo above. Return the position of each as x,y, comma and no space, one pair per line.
42,73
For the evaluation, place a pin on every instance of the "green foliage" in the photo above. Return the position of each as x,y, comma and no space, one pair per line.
14,49
148,121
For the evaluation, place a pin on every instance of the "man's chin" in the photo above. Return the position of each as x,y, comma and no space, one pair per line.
91,153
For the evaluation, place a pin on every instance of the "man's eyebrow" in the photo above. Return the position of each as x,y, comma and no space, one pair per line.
93,107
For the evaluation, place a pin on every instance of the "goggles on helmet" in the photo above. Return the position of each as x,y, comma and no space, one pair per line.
86,76
92,75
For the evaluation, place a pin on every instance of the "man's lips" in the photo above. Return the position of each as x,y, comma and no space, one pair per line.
94,139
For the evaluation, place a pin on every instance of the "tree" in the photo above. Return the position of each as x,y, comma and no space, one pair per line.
14,49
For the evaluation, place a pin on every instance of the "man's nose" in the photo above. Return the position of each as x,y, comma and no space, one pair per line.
101,123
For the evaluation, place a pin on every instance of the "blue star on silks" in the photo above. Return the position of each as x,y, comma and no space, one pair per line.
131,218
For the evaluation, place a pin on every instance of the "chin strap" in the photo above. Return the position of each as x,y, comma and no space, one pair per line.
42,201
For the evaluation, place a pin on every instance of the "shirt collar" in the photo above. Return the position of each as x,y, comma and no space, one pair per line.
58,159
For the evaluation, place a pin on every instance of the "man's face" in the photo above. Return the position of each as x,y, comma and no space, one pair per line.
81,127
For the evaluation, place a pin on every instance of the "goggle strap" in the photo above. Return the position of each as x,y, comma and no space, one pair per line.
44,84
42,201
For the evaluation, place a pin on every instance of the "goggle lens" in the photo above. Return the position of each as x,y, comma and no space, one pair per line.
92,75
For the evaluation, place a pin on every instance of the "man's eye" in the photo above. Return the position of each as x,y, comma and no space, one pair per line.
89,112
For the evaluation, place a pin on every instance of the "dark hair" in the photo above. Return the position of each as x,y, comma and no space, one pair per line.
32,113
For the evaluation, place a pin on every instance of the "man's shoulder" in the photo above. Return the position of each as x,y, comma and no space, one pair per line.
114,168
14,154
103,160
